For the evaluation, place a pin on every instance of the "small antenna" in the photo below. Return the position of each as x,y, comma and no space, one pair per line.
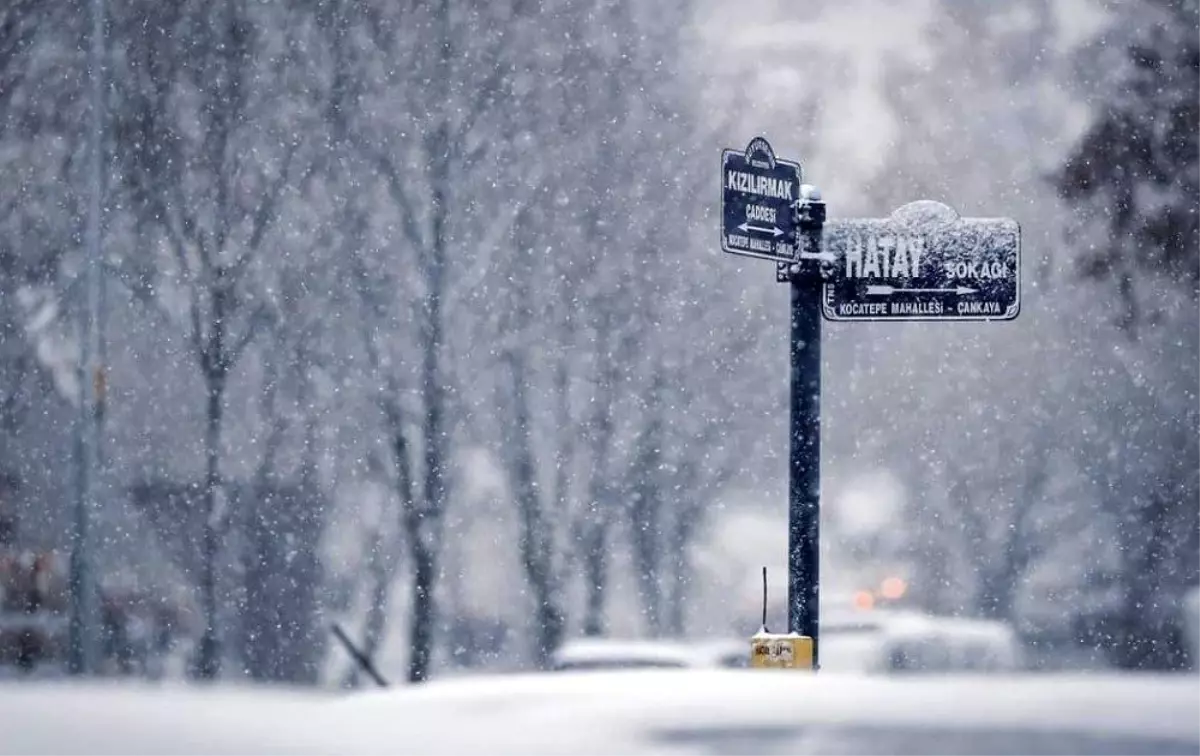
764,622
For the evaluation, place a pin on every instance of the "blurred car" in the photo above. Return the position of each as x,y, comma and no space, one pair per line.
1191,622
897,641
648,711
885,641
616,653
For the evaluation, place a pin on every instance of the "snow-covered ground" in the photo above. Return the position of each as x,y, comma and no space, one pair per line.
645,711
136,718
705,711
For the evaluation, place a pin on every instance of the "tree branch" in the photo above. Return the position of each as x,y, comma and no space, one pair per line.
497,230
143,292
256,320
395,185
197,330
268,209
16,31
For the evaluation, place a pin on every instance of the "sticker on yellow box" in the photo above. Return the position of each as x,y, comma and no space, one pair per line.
772,651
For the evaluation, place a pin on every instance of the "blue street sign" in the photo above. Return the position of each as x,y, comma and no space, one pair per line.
922,263
758,194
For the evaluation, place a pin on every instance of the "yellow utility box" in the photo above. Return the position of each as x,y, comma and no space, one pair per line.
779,651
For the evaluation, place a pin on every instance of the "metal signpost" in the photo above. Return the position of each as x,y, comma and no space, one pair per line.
923,262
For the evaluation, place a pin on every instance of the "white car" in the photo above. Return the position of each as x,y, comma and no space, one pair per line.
894,641
1191,622
616,653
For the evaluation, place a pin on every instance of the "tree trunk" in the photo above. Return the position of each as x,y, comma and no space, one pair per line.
1148,638
598,517
680,569
423,607
208,664
686,515
1021,545
301,570
382,566
425,530
535,540
261,621
551,620
564,458
381,580
377,611
595,570
646,510
646,561
997,592
415,524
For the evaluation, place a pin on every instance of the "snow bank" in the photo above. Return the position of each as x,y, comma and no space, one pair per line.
72,718
644,711
693,711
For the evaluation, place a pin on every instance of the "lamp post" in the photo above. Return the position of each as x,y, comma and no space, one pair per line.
81,648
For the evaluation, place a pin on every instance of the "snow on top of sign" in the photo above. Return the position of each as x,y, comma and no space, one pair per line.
925,213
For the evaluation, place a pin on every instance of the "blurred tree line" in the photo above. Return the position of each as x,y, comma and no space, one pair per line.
1063,498
350,242
1134,182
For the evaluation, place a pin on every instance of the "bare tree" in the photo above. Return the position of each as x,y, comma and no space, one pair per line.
41,107
420,130
589,274
286,516
537,505
185,119
17,32
680,458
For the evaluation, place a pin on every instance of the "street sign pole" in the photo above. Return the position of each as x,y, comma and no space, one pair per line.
804,466
767,213
921,263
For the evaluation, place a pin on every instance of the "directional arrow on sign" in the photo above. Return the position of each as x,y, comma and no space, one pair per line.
884,290
772,230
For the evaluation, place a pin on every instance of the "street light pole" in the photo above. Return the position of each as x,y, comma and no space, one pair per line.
82,580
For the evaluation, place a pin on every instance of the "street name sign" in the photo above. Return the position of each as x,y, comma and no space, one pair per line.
923,262
757,202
